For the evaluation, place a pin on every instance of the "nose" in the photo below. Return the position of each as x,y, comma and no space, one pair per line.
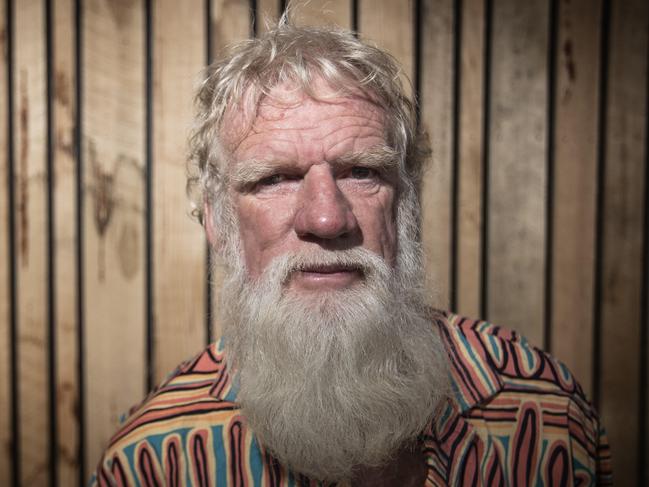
323,212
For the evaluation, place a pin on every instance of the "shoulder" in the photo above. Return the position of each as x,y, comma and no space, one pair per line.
511,391
498,357
198,387
189,416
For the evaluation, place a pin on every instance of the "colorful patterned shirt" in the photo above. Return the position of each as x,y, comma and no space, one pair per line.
517,417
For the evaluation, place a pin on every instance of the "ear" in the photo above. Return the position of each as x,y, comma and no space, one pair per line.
210,230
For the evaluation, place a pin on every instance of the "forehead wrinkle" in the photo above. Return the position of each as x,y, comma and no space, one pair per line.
286,140
242,125
365,125
322,112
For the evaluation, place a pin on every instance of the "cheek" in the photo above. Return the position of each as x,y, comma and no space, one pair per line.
377,219
390,229
263,227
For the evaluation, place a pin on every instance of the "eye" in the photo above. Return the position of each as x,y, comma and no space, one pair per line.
271,180
360,172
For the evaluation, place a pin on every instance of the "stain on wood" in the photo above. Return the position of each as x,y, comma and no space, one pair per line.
64,167
30,143
23,175
575,188
569,62
65,142
120,11
103,191
128,250
113,56
62,88
105,203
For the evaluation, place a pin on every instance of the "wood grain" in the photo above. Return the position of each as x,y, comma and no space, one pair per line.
517,167
644,461
179,248
113,219
623,213
575,186
230,23
65,242
30,178
470,156
437,117
391,26
268,12
324,13
113,121
6,454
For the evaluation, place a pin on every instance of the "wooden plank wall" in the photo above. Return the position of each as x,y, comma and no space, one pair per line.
535,207
624,126
65,245
6,251
112,175
31,241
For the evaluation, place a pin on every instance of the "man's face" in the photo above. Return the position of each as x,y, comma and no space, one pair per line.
321,296
313,174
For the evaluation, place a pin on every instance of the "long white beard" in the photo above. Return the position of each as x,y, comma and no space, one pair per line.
335,380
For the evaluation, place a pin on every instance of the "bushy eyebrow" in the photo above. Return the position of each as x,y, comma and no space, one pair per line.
382,159
247,173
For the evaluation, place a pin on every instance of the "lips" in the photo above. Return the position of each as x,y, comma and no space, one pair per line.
329,269
321,277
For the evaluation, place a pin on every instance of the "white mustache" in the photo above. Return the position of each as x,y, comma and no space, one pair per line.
367,262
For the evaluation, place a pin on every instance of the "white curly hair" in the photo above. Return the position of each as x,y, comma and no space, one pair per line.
246,72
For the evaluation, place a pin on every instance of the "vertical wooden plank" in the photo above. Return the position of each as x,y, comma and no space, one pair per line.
268,11
324,13
31,239
644,461
65,284
178,241
470,157
230,23
623,214
391,25
113,193
643,471
5,260
517,172
437,118
575,186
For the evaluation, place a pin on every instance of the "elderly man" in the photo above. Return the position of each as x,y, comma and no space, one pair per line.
306,170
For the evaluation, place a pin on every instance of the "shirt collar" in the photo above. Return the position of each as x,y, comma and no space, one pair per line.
473,354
